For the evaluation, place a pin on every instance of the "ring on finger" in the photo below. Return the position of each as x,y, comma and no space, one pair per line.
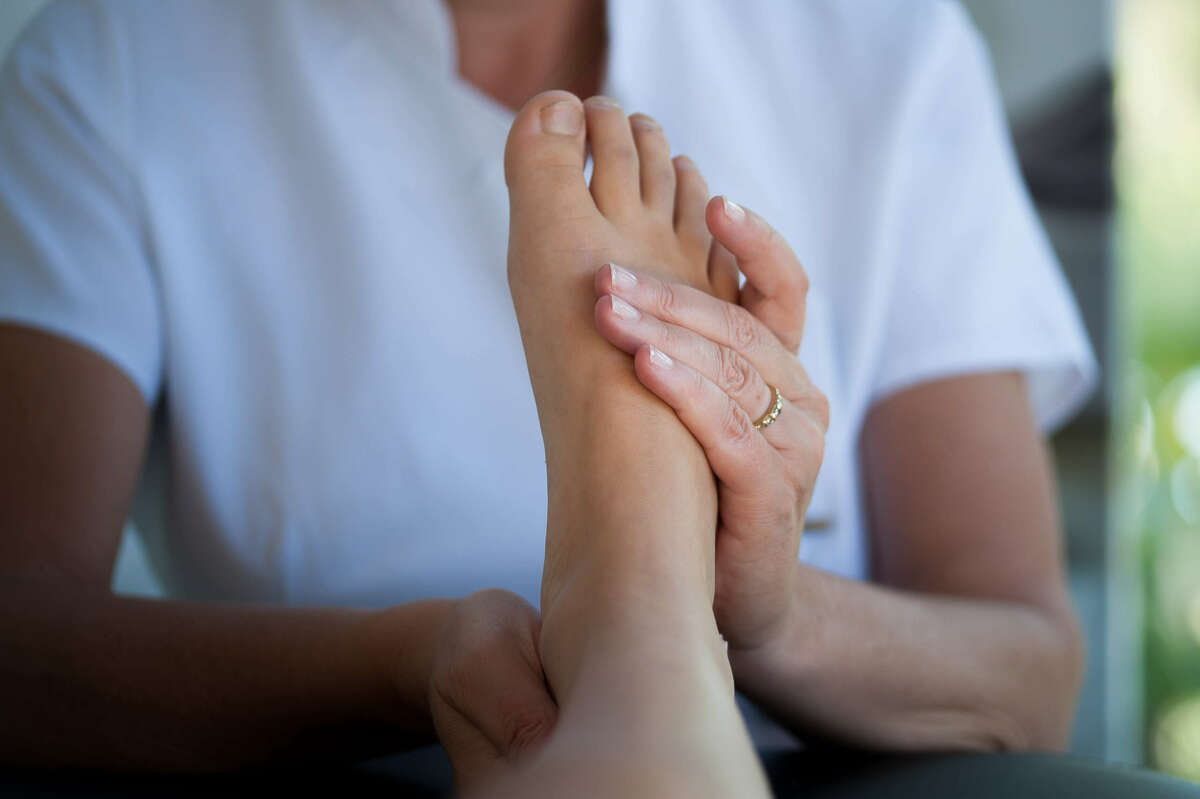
773,412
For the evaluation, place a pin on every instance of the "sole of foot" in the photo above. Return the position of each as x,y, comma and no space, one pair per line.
643,211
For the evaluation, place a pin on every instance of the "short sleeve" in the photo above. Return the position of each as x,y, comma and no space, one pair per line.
974,283
73,253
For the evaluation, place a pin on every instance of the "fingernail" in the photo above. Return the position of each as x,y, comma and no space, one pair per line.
621,278
684,162
622,308
734,212
660,359
564,118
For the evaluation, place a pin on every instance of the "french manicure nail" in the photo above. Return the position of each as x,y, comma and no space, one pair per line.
622,308
564,118
733,211
621,278
660,359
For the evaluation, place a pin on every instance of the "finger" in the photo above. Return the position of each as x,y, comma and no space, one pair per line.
780,284
723,322
739,455
481,745
510,713
628,329
473,758
491,706
795,426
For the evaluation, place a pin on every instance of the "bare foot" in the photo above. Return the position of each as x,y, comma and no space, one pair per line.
640,211
643,211
628,642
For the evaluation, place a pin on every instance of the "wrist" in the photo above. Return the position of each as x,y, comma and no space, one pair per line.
777,656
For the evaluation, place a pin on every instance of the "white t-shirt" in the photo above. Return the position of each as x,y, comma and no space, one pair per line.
286,222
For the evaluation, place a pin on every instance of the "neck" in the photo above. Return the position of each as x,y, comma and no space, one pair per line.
513,49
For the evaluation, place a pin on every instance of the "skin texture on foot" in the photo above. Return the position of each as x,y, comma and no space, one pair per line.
643,210
628,643
640,211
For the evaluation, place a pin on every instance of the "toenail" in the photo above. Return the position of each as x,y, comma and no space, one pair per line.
621,278
564,118
623,309
644,122
734,212
600,101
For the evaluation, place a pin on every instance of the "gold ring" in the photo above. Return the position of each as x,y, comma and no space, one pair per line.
773,412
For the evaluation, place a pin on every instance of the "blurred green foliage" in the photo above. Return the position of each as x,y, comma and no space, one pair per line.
1158,308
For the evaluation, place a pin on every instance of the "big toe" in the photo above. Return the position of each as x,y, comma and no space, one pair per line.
545,155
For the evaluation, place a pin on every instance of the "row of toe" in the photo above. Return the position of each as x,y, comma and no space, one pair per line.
633,171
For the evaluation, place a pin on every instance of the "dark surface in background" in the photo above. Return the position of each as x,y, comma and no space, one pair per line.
1066,154
813,774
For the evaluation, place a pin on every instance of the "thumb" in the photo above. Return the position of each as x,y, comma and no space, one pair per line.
492,707
776,284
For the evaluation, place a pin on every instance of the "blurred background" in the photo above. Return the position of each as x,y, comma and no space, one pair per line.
1123,212
1054,62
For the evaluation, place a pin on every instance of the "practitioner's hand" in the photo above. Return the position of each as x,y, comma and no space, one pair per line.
487,693
723,356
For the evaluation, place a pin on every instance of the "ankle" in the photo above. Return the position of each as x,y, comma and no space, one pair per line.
635,630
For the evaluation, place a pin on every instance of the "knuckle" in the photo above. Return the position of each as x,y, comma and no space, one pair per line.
736,427
667,300
736,373
741,328
695,391
668,339
525,728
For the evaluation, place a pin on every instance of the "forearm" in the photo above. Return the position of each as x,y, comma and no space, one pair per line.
107,682
897,670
